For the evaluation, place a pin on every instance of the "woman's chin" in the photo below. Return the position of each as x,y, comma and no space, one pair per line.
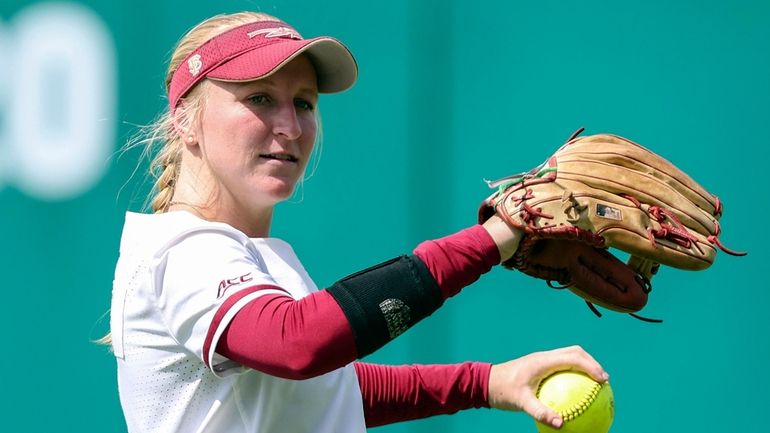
278,190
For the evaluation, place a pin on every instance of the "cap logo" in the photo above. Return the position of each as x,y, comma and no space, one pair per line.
276,32
195,64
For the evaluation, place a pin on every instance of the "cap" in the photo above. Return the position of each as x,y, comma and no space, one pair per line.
256,50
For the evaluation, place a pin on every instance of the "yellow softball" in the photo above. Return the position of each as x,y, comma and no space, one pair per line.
585,405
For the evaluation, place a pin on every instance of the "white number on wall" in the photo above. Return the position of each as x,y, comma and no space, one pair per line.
57,100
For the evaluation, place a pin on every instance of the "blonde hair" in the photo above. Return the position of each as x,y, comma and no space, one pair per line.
166,132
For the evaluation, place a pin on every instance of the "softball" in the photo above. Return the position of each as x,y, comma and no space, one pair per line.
585,405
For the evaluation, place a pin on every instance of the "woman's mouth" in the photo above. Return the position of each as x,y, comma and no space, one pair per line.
280,157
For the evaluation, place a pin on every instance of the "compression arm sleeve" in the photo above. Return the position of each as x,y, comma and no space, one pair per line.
305,338
406,392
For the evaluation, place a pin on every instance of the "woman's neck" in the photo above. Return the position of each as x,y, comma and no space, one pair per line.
255,223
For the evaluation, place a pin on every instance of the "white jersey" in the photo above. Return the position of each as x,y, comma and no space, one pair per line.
178,283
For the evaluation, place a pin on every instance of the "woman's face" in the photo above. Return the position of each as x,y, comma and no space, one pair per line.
255,138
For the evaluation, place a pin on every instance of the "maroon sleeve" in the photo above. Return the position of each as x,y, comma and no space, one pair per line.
293,339
458,260
299,339
406,392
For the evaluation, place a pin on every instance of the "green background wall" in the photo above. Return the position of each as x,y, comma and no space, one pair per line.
449,93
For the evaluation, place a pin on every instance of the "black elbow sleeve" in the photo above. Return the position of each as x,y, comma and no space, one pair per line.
385,300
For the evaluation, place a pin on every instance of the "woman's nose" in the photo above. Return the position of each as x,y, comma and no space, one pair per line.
286,122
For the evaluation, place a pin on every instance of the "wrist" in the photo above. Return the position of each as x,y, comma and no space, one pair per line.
506,238
494,393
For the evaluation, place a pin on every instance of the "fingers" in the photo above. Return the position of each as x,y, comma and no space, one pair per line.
586,363
512,386
574,358
537,410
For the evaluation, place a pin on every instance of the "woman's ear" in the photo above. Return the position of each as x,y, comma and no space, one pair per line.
183,127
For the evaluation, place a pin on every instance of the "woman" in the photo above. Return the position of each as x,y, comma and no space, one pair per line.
217,327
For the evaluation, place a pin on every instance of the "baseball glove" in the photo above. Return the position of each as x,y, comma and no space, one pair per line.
604,191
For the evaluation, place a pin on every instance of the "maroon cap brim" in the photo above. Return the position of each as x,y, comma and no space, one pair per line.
335,66
256,50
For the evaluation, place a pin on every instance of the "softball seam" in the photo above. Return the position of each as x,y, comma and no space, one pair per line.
577,409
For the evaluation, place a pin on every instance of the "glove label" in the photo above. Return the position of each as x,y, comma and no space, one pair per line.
608,212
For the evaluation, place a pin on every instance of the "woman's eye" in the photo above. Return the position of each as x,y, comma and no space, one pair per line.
259,99
303,105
